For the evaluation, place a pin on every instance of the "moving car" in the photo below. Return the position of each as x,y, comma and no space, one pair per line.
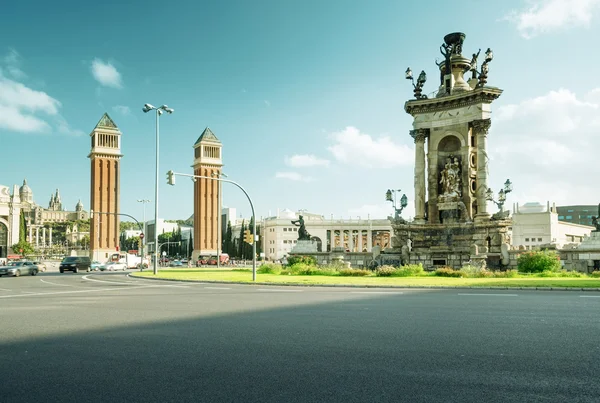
41,266
75,264
96,265
114,266
18,268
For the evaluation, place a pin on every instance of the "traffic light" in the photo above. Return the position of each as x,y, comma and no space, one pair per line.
248,238
171,178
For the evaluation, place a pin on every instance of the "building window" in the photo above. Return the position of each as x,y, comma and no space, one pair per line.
561,217
285,229
526,239
569,211
296,229
569,217
539,239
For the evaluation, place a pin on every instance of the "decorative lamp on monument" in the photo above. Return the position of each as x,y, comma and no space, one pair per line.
418,87
489,195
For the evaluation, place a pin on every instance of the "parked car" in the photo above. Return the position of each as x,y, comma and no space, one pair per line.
114,266
75,264
96,265
18,268
176,263
41,266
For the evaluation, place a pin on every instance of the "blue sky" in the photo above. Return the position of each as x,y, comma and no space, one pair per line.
306,96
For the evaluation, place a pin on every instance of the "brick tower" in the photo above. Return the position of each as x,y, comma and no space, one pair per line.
105,159
208,162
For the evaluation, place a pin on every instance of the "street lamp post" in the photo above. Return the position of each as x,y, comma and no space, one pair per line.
171,174
143,201
219,224
159,111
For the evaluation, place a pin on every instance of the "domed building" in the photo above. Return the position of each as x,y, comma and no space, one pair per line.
37,217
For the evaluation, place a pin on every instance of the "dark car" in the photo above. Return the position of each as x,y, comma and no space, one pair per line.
75,264
18,268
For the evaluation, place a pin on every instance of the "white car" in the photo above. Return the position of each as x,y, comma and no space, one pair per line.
114,266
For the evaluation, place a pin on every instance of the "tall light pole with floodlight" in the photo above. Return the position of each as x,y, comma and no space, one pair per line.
159,111
143,201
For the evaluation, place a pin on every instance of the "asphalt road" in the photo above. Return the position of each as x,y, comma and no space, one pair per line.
104,337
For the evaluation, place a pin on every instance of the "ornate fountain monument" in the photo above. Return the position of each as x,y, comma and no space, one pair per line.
452,225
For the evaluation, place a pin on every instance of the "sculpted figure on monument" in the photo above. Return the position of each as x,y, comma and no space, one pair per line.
302,232
450,177
595,219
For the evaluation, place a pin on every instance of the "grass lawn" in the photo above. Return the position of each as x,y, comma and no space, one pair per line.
425,281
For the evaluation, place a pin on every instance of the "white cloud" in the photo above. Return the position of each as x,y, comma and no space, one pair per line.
547,146
542,16
12,62
122,109
301,161
21,106
294,176
106,74
352,146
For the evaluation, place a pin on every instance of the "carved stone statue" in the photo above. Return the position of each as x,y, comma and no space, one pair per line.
450,178
302,232
474,64
446,51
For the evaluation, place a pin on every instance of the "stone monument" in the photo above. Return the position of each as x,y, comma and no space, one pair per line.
304,245
451,168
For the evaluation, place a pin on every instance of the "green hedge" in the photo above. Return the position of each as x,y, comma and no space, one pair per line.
538,262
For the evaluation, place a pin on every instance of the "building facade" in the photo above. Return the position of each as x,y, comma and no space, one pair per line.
580,214
279,235
535,225
105,159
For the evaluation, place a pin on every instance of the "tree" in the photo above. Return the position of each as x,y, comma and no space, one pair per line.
23,248
240,252
228,240
22,228
128,225
85,241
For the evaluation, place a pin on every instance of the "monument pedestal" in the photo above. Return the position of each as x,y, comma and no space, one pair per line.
304,247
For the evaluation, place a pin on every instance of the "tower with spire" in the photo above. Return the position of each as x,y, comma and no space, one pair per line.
208,162
105,157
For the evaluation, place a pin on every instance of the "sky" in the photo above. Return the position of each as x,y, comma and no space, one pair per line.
307,97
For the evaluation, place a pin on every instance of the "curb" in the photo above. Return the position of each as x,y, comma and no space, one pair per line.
433,287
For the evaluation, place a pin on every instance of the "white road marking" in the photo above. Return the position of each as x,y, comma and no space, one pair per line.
4,289
376,292
134,282
493,295
28,292
49,282
217,288
74,292
277,290
103,281
589,296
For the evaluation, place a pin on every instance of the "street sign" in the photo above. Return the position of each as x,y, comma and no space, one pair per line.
164,253
142,235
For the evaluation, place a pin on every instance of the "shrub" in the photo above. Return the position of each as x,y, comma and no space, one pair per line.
448,272
269,268
410,270
474,271
354,272
385,271
505,274
302,269
308,260
595,274
538,261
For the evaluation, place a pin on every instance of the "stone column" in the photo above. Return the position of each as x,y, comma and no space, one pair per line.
351,240
481,127
332,239
37,236
50,236
43,236
359,240
30,240
369,240
419,136
433,213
